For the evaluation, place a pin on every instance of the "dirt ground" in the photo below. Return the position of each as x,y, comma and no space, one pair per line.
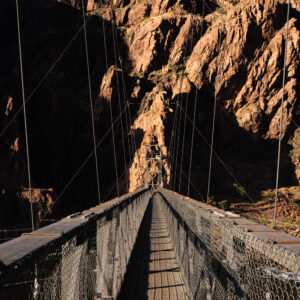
262,211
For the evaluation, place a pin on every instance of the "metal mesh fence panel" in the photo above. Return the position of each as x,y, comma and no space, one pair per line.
223,260
85,259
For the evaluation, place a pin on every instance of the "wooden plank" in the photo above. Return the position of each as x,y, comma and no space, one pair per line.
157,289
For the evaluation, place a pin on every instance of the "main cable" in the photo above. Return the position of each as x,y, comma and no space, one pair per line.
192,142
186,101
172,141
194,116
134,147
213,124
91,102
118,89
25,114
111,115
281,113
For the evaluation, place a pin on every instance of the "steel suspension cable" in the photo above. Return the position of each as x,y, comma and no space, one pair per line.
104,39
176,148
110,112
194,116
281,113
86,160
91,102
128,126
183,143
125,103
43,78
217,156
25,115
134,147
112,188
118,90
171,144
186,176
223,23
186,103
192,142
213,125
173,140
114,147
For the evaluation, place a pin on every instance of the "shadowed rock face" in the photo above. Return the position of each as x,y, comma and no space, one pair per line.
171,50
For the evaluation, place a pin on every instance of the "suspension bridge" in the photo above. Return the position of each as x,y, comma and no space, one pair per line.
152,243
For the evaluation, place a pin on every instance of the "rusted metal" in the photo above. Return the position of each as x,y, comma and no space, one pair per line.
285,242
232,217
251,230
42,234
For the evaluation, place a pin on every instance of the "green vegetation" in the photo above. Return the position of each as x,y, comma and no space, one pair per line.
265,46
221,10
264,220
287,221
48,206
146,19
269,194
239,189
223,204
296,202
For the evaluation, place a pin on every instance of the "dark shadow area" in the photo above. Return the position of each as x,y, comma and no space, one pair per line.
58,111
240,154
136,278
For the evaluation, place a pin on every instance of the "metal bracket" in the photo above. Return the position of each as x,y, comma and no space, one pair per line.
42,234
84,218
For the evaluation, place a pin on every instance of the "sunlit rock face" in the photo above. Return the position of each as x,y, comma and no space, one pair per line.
157,53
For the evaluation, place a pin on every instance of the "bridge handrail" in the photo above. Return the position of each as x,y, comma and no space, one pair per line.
83,254
226,256
278,245
24,247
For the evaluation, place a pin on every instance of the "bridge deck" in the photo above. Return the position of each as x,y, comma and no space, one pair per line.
154,271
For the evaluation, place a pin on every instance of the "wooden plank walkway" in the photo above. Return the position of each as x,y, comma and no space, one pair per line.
154,272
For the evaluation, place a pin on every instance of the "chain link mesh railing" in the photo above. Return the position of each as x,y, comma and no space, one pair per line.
84,256
222,258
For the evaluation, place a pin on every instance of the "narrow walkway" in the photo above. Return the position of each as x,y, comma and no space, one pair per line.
153,272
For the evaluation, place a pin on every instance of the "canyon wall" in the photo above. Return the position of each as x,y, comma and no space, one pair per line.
145,57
